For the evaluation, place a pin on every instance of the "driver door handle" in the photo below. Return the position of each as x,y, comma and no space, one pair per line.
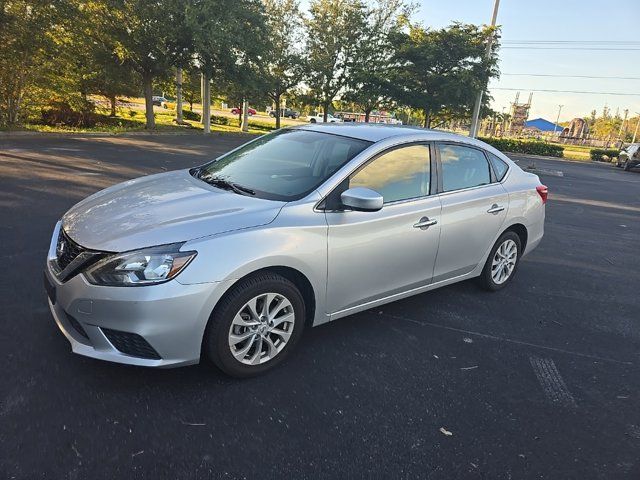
424,223
495,208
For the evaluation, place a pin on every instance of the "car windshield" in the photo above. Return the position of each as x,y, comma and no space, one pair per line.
284,165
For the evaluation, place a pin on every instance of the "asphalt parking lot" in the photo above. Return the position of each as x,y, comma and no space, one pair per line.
540,380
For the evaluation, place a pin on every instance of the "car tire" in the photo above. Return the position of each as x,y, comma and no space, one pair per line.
313,120
501,267
231,318
627,167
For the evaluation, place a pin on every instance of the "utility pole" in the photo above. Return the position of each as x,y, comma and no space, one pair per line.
637,124
473,131
555,125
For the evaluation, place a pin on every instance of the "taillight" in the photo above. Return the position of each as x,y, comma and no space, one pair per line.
543,191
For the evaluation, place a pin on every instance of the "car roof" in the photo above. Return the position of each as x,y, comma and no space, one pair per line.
377,132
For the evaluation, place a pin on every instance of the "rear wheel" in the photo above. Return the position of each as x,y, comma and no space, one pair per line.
502,262
255,325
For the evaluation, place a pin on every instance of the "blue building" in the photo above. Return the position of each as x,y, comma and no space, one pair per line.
543,125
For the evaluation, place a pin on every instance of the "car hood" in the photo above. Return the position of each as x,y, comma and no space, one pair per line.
160,209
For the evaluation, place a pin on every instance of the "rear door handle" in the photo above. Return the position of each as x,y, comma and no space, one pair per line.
425,223
495,208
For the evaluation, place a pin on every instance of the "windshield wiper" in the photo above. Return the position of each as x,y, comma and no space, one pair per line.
226,184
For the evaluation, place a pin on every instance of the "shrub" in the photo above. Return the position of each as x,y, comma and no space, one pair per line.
190,115
603,154
219,120
525,146
257,125
61,113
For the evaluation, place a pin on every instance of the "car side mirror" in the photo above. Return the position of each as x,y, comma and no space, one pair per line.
362,199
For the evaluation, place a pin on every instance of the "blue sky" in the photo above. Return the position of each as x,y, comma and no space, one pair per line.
588,20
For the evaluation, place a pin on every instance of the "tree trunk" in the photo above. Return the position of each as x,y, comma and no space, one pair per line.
325,107
206,103
179,118
112,100
202,97
245,116
367,114
148,102
427,118
191,105
278,111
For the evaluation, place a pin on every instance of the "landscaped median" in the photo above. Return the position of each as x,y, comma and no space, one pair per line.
61,118
527,147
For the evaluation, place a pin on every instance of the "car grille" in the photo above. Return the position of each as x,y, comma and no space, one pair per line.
67,250
72,258
131,344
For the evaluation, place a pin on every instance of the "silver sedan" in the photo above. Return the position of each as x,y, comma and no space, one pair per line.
232,260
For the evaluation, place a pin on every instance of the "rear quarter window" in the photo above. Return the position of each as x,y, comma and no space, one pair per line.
500,167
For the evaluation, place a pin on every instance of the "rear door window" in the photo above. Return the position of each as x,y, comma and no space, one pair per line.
463,167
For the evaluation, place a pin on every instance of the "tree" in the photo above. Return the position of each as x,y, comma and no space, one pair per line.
441,69
109,76
190,86
27,32
368,85
227,34
333,31
285,65
146,34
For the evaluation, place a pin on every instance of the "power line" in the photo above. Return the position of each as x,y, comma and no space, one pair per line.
569,76
567,91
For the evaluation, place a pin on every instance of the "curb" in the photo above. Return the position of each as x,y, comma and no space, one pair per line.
556,159
21,134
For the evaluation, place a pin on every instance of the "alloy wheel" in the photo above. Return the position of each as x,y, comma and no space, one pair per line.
504,261
261,328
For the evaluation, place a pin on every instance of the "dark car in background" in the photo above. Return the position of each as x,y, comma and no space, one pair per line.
285,112
159,101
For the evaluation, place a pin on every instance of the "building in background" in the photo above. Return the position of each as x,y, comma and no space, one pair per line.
542,126
578,129
519,115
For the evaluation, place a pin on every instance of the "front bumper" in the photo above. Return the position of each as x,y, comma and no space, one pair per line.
154,326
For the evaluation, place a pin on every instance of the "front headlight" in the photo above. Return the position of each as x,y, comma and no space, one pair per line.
141,267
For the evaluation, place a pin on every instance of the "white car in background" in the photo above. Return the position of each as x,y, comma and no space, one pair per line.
320,119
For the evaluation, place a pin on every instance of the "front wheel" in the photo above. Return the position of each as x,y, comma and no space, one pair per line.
502,262
313,120
255,326
627,167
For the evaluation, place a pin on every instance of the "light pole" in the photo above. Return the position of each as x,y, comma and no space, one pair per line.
473,131
555,125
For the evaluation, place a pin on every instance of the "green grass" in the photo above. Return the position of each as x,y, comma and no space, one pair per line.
576,152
